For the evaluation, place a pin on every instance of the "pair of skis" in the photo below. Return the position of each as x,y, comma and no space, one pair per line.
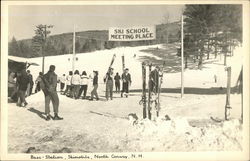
144,101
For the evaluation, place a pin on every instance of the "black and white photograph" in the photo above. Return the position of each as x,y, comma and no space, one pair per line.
121,81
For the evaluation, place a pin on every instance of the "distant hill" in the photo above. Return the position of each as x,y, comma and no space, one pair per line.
88,41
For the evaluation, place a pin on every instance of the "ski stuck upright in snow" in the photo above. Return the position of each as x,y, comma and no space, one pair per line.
155,79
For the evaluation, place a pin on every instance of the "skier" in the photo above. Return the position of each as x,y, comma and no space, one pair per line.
62,81
76,79
95,85
83,85
22,85
38,81
48,85
126,79
68,90
109,84
117,82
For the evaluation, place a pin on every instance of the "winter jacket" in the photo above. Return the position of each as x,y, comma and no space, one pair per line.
84,80
22,82
50,79
95,80
76,79
11,80
68,80
117,78
62,79
31,79
126,77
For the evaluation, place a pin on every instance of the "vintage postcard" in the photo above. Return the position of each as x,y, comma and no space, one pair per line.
125,80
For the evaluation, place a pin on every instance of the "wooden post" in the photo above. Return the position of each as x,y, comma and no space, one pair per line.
149,93
227,107
74,52
182,57
144,91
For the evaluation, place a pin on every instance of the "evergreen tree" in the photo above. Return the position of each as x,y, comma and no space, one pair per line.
14,48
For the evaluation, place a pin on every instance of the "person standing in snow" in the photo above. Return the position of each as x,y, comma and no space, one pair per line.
109,84
38,82
95,85
22,85
76,79
68,90
31,83
83,85
154,80
126,82
48,86
117,82
62,81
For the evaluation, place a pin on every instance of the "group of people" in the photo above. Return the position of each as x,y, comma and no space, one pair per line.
20,85
76,84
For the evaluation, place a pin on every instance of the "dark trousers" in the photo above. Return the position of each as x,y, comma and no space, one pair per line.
68,90
38,88
75,91
117,86
55,101
21,96
109,89
62,86
31,88
83,88
94,92
125,87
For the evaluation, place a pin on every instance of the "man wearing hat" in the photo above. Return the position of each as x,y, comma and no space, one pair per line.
126,82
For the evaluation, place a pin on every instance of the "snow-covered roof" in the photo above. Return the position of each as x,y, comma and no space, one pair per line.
21,60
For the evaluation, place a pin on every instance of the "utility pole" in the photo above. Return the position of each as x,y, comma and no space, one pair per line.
44,43
182,58
74,52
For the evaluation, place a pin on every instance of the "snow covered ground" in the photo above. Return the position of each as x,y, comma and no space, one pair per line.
103,126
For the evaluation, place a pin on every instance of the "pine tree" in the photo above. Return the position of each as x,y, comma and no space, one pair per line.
14,48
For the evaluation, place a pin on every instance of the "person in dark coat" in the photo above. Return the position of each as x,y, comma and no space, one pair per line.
48,85
126,82
109,84
117,82
95,85
31,82
22,85
154,80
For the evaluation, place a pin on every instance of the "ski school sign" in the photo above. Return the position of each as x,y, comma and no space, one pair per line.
131,33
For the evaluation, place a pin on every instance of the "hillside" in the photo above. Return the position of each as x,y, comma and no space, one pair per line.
104,126
88,41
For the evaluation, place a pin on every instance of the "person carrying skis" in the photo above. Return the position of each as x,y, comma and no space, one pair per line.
126,82
117,82
48,86
108,79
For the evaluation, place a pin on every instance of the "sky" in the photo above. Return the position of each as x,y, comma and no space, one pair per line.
24,18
